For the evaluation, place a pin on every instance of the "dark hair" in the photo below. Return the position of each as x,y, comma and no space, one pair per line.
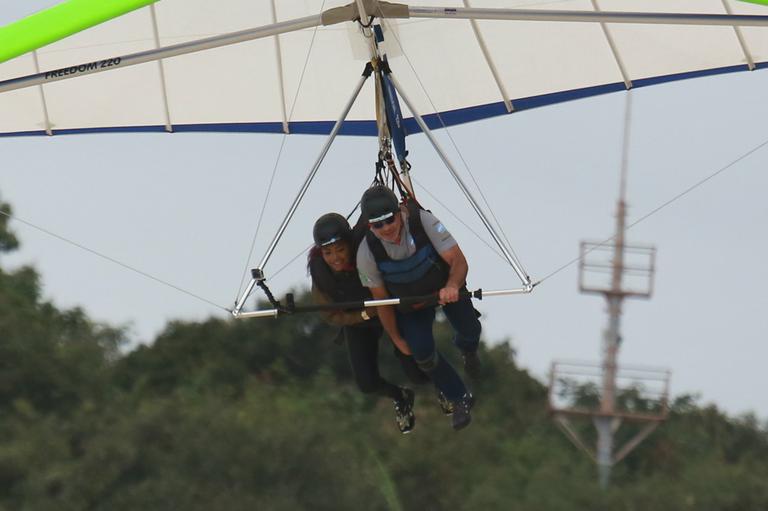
313,253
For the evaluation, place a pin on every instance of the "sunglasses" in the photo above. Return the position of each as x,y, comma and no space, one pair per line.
382,223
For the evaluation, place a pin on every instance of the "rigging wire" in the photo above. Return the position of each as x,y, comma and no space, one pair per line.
277,162
462,222
658,208
112,260
450,137
461,156
260,218
652,212
286,265
426,190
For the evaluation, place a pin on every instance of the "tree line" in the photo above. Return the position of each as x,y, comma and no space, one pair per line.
263,414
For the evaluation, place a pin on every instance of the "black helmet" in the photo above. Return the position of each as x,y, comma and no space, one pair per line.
330,228
378,202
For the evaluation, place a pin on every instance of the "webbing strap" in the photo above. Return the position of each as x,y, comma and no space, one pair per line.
272,300
394,114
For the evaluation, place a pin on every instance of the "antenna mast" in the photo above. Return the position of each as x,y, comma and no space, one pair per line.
609,413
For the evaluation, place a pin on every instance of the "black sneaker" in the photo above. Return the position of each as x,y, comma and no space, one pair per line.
445,406
461,412
471,364
404,416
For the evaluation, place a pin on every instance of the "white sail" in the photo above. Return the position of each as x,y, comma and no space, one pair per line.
468,69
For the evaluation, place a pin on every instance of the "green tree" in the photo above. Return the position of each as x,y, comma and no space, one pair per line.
263,414
8,240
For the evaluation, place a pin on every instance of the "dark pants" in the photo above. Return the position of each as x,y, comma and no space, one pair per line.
466,325
416,327
363,350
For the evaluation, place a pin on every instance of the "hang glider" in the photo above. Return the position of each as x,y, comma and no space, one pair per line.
146,71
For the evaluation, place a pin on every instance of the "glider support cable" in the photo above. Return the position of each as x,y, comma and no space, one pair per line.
526,280
458,151
482,240
112,260
655,210
286,128
257,274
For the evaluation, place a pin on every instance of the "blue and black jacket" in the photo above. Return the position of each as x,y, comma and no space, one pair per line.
423,273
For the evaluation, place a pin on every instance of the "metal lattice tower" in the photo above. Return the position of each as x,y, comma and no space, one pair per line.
630,271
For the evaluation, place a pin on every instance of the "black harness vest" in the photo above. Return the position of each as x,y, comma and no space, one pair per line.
423,273
342,286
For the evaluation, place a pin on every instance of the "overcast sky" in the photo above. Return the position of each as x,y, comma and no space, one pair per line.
184,208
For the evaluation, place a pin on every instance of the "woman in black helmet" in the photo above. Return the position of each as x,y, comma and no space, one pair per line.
334,280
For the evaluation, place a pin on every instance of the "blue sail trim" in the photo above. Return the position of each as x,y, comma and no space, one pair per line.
368,128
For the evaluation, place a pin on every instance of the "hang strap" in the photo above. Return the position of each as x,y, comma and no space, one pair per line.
394,115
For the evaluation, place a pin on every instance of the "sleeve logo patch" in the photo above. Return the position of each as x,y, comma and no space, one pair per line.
364,278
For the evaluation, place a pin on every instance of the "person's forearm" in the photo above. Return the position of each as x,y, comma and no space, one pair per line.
457,275
388,320
344,318
336,317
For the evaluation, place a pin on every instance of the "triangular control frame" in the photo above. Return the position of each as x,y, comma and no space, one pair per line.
377,64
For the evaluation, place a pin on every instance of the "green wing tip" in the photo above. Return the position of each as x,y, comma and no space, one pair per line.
60,21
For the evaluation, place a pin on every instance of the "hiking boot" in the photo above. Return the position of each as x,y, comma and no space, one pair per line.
445,406
461,412
404,416
471,364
